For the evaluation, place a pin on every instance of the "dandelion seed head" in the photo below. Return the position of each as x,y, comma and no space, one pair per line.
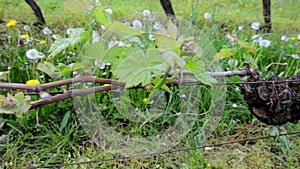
137,24
207,15
146,13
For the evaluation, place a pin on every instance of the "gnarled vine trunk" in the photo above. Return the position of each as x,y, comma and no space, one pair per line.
37,12
167,6
267,15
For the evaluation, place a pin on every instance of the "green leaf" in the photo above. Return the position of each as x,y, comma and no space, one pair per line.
198,68
173,59
172,29
121,28
64,122
79,35
166,42
247,46
96,50
14,104
47,68
224,53
100,15
251,60
139,67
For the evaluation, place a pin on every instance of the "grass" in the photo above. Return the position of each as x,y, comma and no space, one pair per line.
60,137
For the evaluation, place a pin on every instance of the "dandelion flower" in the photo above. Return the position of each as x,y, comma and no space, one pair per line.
292,38
43,42
47,31
70,31
108,11
237,11
207,15
137,24
24,36
255,25
151,17
146,13
208,165
145,100
33,82
264,43
285,38
11,23
106,84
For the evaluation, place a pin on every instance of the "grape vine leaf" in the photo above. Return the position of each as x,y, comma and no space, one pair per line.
139,67
198,68
78,35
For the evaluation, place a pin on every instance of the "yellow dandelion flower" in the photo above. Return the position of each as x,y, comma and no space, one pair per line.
114,38
106,84
25,36
33,82
142,32
43,42
11,23
293,38
208,165
237,11
145,100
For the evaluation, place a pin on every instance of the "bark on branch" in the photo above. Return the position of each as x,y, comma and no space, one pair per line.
37,12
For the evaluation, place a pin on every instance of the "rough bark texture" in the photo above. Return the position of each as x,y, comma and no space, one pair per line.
275,103
37,12
267,15
167,6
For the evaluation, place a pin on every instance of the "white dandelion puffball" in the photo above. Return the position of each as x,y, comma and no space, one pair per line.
137,24
146,13
32,54
207,15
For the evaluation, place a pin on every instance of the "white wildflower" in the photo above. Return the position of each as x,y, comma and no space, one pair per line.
234,105
257,38
298,37
264,43
295,56
240,28
285,38
255,25
47,31
55,36
208,148
151,37
151,17
70,31
26,27
108,11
